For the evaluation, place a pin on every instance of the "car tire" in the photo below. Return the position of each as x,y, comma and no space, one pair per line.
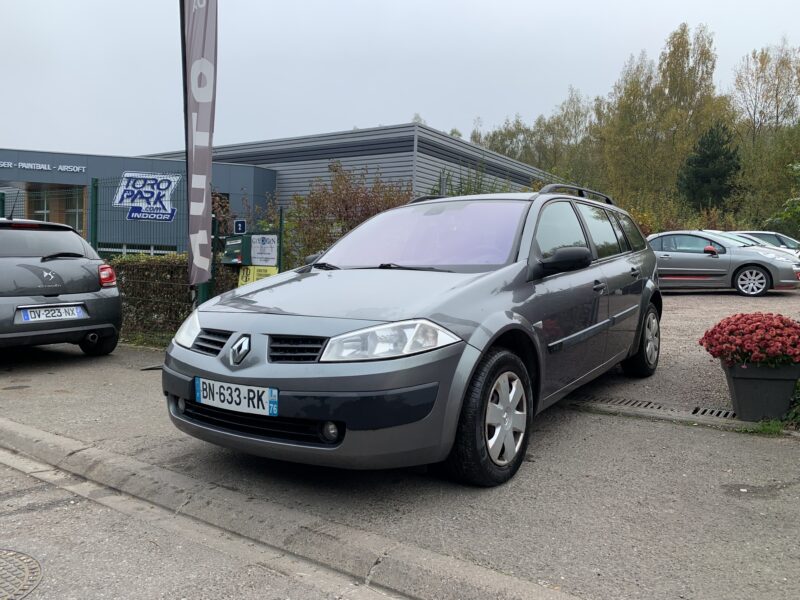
752,280
103,345
483,454
645,361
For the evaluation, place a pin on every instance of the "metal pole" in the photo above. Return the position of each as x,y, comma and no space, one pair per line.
280,239
2,204
93,209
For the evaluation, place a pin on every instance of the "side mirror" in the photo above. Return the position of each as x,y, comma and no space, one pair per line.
710,250
563,260
312,258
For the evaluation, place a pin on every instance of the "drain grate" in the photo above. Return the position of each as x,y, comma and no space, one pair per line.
19,575
720,413
697,411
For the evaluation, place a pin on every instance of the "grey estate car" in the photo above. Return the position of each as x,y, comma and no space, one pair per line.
433,332
54,288
707,259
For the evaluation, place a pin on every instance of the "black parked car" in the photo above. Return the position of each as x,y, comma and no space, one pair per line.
432,332
54,288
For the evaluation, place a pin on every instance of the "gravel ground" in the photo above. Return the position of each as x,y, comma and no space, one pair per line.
687,376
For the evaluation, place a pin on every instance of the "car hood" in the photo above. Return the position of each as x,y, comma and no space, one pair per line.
768,254
364,294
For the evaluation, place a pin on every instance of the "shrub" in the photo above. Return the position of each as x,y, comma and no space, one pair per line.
759,338
156,296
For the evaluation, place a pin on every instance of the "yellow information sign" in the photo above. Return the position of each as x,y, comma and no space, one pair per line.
251,274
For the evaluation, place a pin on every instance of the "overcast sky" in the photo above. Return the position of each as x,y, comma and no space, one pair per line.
104,76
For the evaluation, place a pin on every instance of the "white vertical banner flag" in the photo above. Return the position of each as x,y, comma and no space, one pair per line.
199,45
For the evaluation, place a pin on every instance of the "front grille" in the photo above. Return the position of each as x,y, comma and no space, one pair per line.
295,348
305,431
210,341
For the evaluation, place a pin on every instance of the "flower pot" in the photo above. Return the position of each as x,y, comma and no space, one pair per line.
759,392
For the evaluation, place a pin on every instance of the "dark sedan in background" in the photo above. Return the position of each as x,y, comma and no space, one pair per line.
54,288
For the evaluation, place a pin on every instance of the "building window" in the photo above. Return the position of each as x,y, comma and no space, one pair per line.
38,207
73,210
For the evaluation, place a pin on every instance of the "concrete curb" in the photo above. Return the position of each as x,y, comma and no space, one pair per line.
369,558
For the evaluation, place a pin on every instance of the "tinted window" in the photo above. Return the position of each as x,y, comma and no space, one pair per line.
788,242
39,242
632,231
605,240
623,243
559,228
471,234
768,237
688,243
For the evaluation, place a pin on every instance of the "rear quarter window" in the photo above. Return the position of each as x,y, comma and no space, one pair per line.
635,237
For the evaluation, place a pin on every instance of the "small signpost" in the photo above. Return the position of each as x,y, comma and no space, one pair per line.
239,226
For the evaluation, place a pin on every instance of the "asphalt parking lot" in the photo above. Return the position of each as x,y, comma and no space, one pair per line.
605,507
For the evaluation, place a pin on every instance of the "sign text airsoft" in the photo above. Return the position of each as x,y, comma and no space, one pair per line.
147,196
31,166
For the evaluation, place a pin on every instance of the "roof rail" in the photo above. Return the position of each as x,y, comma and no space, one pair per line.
580,191
423,198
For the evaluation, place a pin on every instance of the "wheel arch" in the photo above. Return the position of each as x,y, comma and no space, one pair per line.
767,268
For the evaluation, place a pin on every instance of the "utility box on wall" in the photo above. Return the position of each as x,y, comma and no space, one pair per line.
256,254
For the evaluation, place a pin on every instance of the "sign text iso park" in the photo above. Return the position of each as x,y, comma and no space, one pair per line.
148,196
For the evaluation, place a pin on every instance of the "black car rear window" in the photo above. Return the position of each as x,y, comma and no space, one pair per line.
39,242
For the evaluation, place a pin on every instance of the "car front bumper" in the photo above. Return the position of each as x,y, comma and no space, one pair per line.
392,413
104,318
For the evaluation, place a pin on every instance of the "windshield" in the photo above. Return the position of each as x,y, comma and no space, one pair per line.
39,242
469,235
730,237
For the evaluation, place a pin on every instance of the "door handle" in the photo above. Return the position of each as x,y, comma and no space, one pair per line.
635,272
599,286
664,256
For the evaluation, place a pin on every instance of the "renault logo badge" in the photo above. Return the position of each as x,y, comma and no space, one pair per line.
240,349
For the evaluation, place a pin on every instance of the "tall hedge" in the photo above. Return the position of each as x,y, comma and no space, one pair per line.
156,297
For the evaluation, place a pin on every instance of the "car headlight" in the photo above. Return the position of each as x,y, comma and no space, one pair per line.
188,331
388,341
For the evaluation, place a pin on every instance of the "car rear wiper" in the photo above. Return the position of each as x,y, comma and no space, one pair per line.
63,255
407,268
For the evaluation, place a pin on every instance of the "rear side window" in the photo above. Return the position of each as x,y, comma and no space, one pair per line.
632,232
559,228
655,243
39,242
623,242
605,240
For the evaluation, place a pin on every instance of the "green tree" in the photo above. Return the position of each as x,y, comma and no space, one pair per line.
708,175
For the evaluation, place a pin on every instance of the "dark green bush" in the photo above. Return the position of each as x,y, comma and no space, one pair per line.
156,297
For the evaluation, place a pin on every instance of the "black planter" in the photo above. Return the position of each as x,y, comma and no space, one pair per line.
761,392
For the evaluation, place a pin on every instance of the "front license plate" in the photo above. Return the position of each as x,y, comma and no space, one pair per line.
241,398
55,313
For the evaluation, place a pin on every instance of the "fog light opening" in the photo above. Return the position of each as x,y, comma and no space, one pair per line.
181,405
330,432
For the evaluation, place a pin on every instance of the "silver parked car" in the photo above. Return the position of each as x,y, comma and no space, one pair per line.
54,288
779,240
432,332
706,259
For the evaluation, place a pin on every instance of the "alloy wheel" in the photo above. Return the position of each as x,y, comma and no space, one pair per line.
751,282
506,418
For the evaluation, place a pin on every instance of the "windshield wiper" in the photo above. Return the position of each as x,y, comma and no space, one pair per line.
407,268
325,266
62,255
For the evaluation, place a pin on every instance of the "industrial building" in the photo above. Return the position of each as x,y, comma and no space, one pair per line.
141,203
